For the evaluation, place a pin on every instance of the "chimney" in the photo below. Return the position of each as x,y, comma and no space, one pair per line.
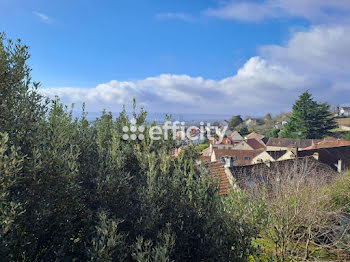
340,163
227,162
295,150
316,156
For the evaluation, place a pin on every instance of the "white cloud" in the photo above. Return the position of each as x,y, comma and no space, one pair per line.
43,17
254,87
312,10
244,11
178,16
318,60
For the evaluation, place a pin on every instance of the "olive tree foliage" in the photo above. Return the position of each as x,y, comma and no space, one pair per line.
72,190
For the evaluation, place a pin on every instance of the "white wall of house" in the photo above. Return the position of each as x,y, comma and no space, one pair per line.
344,112
275,148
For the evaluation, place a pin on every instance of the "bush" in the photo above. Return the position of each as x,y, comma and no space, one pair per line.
71,190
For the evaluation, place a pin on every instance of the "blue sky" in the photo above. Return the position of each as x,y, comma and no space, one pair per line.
200,56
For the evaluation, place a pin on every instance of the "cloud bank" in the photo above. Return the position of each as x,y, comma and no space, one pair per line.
317,60
312,10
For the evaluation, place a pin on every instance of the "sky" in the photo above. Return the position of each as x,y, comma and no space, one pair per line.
181,56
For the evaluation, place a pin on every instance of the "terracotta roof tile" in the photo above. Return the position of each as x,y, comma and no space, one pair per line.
329,143
243,157
255,144
217,171
255,135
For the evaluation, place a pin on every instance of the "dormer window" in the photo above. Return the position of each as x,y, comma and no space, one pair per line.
247,158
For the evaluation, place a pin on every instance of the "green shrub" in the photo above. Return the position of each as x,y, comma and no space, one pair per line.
71,190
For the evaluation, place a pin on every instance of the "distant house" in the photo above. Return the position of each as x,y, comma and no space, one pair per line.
223,131
250,122
285,121
206,152
336,157
272,156
229,157
328,143
235,136
248,175
260,138
344,111
278,144
255,144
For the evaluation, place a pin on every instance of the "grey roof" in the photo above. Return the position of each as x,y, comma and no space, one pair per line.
291,142
276,154
263,172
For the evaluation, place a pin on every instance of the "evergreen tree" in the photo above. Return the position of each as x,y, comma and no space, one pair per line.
244,131
235,121
309,119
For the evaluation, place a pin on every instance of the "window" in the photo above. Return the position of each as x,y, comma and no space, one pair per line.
246,158
223,160
232,160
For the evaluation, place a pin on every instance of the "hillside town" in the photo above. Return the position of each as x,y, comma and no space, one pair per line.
256,152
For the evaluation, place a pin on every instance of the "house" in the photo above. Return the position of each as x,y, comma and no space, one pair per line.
229,157
252,175
337,158
272,156
285,121
344,111
250,122
255,144
203,159
248,176
235,136
226,143
327,143
260,138
206,152
278,144
217,172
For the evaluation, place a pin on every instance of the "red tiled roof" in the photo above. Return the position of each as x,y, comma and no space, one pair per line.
255,135
255,144
239,154
225,141
329,143
217,171
206,151
234,133
205,158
